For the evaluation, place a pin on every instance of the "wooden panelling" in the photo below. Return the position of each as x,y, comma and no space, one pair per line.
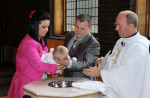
147,20
53,43
141,12
60,42
58,17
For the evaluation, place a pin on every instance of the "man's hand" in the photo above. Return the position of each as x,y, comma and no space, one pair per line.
62,61
92,72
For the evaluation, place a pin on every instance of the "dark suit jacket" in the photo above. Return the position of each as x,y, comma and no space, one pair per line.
86,52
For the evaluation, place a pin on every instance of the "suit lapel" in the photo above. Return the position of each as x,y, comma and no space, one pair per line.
80,45
68,38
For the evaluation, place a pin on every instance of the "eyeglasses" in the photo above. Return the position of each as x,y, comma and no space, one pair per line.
117,26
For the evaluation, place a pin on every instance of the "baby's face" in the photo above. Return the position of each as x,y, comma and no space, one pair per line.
57,56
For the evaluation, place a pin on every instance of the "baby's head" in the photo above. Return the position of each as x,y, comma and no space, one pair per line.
60,52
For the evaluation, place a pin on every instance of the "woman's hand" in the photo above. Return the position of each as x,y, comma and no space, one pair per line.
92,72
60,67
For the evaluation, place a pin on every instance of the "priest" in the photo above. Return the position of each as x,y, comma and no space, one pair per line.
125,72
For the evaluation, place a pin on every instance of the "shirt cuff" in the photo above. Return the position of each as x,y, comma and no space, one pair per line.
70,64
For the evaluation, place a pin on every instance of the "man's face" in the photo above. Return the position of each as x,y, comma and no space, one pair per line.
81,29
122,27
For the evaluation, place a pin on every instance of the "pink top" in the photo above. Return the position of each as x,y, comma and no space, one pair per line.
29,66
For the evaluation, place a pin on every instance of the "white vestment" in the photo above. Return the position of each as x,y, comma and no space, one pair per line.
48,58
127,71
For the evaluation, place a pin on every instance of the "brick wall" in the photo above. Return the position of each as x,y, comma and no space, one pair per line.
108,10
14,14
16,18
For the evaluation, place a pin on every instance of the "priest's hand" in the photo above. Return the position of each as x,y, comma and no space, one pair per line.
64,62
92,72
99,60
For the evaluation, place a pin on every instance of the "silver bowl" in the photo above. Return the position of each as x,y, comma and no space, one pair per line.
60,84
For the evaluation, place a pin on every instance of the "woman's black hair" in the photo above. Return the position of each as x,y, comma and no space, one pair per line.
35,19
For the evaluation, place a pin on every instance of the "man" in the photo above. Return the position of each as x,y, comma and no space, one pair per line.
83,46
127,70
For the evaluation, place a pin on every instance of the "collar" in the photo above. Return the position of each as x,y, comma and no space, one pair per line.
132,35
82,37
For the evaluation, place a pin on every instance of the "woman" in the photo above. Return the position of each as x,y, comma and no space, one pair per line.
29,66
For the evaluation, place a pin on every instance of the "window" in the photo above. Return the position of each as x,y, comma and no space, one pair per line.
76,7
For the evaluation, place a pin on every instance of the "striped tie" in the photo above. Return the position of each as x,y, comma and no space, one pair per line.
71,49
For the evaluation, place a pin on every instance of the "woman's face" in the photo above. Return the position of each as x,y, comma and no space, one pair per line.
43,28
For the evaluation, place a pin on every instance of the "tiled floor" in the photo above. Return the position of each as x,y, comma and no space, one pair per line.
6,71
3,97
6,74
4,89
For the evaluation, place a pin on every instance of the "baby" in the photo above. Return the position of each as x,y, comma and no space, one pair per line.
59,52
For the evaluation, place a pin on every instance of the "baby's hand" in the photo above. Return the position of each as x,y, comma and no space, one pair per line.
43,52
51,50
